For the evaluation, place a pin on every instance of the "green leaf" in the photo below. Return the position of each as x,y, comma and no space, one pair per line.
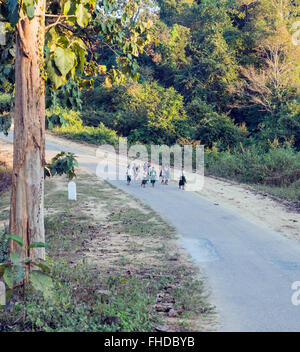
13,9
41,282
50,125
28,7
30,12
37,245
64,60
43,265
81,52
51,39
15,273
19,273
69,9
82,15
15,257
9,276
54,75
16,239
3,266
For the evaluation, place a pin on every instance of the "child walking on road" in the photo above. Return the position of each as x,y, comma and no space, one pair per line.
153,176
167,174
129,174
182,180
144,179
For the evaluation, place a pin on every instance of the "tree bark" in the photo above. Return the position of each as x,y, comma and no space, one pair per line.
27,197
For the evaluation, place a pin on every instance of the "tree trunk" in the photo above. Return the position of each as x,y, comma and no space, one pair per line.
27,198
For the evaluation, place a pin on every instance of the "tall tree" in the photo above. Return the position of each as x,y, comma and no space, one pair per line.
275,77
58,35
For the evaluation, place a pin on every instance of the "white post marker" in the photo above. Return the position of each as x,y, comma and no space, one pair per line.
2,294
72,190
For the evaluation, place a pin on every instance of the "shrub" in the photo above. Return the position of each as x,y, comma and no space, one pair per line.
151,113
284,126
220,129
74,129
278,166
146,112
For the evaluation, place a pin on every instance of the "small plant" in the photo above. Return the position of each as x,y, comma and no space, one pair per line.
62,163
55,120
18,268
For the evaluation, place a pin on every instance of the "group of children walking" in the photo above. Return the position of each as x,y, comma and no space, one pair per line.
149,175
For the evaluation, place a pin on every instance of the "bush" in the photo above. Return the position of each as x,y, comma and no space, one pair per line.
146,113
279,166
284,126
151,113
6,102
75,130
220,129
78,304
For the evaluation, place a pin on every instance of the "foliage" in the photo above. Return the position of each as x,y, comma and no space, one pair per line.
142,112
219,129
151,114
54,120
18,266
7,61
74,129
171,49
284,126
6,104
62,163
210,59
221,72
279,166
69,96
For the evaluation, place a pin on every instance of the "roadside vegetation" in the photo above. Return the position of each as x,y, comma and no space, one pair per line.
221,73
276,171
114,264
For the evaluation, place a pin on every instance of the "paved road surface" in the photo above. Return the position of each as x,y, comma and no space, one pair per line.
249,270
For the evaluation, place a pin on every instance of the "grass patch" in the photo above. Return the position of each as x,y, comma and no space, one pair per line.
137,223
288,192
75,130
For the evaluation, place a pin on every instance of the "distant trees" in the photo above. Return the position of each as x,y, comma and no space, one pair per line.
221,65
236,58
275,76
231,63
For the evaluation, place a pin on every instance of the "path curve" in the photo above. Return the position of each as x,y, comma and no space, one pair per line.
249,269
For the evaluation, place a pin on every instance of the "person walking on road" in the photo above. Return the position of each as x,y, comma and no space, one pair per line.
182,180
167,175
129,174
153,176
144,179
163,174
135,172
